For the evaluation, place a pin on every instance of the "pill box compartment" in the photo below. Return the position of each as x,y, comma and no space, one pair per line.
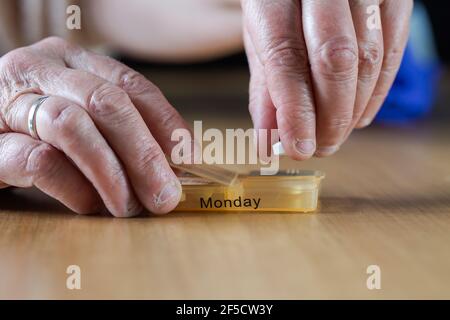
288,191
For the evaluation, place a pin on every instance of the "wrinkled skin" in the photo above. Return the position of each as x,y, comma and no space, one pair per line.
104,131
317,72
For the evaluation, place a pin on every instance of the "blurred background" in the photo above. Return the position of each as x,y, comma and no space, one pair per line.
420,91
187,39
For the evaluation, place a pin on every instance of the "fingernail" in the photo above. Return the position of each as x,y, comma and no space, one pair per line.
170,193
326,151
305,147
364,122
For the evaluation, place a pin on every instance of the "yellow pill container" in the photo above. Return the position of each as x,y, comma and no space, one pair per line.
291,191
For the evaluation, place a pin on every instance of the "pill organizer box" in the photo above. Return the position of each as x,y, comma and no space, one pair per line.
288,191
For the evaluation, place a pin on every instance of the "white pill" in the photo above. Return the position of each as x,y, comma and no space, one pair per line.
278,149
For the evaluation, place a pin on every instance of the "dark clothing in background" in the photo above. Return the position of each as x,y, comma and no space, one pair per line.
439,12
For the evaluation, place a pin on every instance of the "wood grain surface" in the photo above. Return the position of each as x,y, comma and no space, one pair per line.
385,202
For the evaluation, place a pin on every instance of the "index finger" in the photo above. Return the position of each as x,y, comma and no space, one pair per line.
275,28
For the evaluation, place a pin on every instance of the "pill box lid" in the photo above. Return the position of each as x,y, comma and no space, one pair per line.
212,173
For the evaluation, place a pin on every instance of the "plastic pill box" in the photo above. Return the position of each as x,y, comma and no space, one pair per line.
288,191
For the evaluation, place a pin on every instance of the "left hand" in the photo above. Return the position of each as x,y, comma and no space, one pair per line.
318,68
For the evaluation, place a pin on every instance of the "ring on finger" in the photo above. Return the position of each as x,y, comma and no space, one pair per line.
32,116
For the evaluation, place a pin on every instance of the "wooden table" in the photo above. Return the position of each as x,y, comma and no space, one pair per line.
385,202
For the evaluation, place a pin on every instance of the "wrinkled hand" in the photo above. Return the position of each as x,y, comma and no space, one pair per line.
103,131
320,68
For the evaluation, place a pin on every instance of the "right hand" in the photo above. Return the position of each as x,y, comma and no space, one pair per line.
318,71
103,131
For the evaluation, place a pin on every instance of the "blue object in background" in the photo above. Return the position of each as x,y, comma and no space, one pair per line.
413,93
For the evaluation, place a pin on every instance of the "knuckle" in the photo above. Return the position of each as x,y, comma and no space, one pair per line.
339,123
287,55
117,175
336,59
53,42
295,120
169,117
370,59
301,116
150,155
108,101
57,48
41,160
15,63
392,60
67,120
135,83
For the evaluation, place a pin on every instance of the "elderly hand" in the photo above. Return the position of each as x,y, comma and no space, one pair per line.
102,132
320,68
